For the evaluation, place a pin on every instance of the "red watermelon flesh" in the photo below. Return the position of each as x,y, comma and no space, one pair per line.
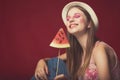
60,40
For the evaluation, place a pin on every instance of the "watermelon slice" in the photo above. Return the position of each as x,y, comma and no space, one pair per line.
60,40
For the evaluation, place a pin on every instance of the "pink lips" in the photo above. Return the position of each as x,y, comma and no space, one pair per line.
73,25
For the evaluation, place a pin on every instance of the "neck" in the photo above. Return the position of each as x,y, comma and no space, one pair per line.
82,39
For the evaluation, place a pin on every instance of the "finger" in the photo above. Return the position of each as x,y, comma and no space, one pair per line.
46,69
43,73
36,76
39,75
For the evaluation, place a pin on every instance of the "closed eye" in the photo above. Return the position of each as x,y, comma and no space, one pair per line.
77,15
68,18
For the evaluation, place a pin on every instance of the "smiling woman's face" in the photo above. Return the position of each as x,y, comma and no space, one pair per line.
76,21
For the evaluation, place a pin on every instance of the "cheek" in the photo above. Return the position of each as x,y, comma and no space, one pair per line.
82,20
67,25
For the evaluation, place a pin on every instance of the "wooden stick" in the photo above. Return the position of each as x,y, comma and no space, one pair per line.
58,62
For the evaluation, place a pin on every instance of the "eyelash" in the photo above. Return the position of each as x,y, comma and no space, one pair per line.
76,16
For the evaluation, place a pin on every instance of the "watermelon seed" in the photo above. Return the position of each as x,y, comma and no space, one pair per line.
61,32
57,39
59,35
63,38
60,41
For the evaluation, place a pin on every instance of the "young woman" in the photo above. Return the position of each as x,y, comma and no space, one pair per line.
88,58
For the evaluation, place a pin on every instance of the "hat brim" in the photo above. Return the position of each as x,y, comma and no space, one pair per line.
83,5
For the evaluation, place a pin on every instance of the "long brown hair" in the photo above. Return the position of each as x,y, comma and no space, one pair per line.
75,52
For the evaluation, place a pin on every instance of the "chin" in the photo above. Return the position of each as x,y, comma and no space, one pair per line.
73,32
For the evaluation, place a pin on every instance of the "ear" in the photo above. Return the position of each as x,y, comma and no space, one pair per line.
89,24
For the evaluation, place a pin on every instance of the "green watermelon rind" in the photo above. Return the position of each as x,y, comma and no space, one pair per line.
59,45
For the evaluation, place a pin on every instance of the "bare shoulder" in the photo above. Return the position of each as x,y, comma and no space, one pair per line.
99,52
104,58
103,53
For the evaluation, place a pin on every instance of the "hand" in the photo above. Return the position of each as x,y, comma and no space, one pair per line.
41,70
60,77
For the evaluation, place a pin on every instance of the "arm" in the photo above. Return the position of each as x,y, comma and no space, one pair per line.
63,57
102,62
41,69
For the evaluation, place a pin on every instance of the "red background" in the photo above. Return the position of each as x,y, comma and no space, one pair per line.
28,26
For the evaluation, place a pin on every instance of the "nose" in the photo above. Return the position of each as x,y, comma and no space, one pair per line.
71,20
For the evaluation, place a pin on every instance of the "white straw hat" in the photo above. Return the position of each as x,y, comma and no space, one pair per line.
83,5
